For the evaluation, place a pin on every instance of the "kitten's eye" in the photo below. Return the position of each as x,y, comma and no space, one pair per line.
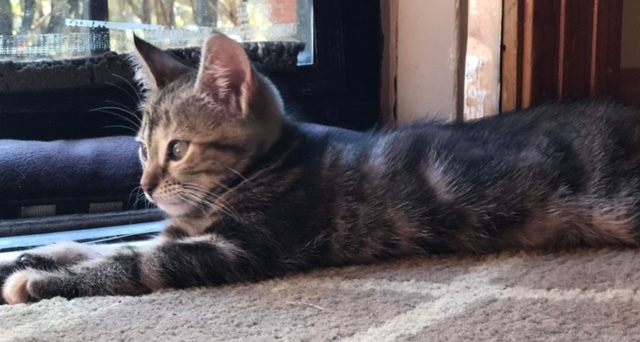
177,149
144,154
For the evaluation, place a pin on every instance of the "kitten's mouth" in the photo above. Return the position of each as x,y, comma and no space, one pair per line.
177,203
149,198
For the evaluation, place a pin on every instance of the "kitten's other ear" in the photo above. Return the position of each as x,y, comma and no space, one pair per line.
156,68
225,73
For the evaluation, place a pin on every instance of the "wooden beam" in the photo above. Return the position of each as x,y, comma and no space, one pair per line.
389,14
606,47
540,51
576,35
511,73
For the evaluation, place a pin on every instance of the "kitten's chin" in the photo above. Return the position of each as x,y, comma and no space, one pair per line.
173,209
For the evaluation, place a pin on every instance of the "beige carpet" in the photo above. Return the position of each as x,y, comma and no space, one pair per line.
577,296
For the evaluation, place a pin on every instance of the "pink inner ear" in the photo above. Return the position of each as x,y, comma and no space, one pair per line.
225,72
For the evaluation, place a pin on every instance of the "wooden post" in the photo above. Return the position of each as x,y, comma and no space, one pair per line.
511,74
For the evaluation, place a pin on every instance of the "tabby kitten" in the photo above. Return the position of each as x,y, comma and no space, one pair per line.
252,194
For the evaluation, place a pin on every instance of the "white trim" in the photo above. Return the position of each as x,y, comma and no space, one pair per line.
112,25
429,57
95,234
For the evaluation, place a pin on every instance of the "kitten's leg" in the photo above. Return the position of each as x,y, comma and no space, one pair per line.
52,257
197,261
62,254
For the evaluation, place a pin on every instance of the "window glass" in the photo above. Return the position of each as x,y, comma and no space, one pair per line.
60,29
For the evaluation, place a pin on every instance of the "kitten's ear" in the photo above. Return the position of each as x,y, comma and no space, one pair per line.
225,73
156,68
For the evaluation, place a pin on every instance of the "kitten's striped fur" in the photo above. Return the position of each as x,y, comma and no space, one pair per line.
255,195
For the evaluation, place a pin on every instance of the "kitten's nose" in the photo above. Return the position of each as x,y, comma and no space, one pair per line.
148,188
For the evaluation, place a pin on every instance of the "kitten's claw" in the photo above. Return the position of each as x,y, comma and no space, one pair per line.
18,288
38,262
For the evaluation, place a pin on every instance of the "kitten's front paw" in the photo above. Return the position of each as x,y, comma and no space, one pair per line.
18,288
6,270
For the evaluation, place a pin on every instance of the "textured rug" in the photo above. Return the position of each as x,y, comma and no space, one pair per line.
583,295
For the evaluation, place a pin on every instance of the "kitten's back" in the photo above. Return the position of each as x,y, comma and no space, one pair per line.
557,175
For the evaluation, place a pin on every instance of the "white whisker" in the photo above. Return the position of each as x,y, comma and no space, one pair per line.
122,126
125,109
135,124
124,91
135,91
202,196
192,200
239,174
108,110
